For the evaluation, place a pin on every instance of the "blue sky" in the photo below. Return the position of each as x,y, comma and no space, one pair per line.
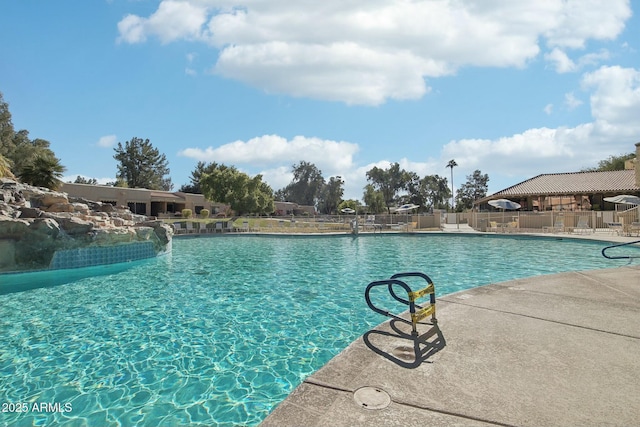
514,89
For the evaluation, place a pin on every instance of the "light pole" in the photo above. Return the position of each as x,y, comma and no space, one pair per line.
452,163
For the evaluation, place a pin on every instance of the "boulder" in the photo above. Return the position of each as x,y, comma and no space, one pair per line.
113,236
45,227
59,207
26,212
7,210
75,225
107,207
81,208
13,228
51,198
144,233
164,233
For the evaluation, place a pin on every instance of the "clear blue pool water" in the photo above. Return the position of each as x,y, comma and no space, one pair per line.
224,328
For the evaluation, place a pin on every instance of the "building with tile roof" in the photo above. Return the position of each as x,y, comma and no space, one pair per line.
572,191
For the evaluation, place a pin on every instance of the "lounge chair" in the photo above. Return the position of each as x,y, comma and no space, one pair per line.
635,228
190,227
229,227
370,222
582,226
615,228
558,226
219,227
177,228
511,227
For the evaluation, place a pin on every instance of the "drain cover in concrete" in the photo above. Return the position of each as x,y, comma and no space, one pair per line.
372,398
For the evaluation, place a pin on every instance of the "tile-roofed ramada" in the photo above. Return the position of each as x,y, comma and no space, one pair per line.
620,181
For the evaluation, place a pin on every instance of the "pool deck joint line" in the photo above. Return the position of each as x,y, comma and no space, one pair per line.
555,350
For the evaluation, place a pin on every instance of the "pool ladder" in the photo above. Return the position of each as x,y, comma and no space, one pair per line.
604,250
417,312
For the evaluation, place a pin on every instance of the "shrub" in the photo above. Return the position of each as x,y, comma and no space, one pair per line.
186,213
204,213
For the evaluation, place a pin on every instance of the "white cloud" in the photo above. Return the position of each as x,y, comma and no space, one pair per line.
560,60
174,20
615,107
548,109
370,52
563,64
615,101
270,150
107,141
571,101
190,71
577,21
277,178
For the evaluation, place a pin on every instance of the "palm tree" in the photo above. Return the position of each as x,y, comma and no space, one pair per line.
452,163
43,171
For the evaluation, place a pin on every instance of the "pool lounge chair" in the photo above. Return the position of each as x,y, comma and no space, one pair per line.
511,227
634,228
615,228
558,226
177,228
582,226
191,228
370,222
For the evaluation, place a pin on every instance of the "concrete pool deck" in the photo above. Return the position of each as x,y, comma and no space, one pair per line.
557,350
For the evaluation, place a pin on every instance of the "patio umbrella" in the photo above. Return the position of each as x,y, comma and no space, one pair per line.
504,204
354,223
624,199
406,208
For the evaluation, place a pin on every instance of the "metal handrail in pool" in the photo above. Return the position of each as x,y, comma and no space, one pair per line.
617,246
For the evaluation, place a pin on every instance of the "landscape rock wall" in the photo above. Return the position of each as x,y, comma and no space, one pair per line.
36,222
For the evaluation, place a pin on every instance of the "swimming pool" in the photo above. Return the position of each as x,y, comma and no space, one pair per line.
223,329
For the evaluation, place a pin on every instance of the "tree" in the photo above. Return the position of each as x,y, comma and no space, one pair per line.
43,171
475,188
331,195
142,165
5,168
612,163
83,180
225,184
22,157
306,186
373,199
452,164
196,176
388,181
414,195
435,190
6,128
